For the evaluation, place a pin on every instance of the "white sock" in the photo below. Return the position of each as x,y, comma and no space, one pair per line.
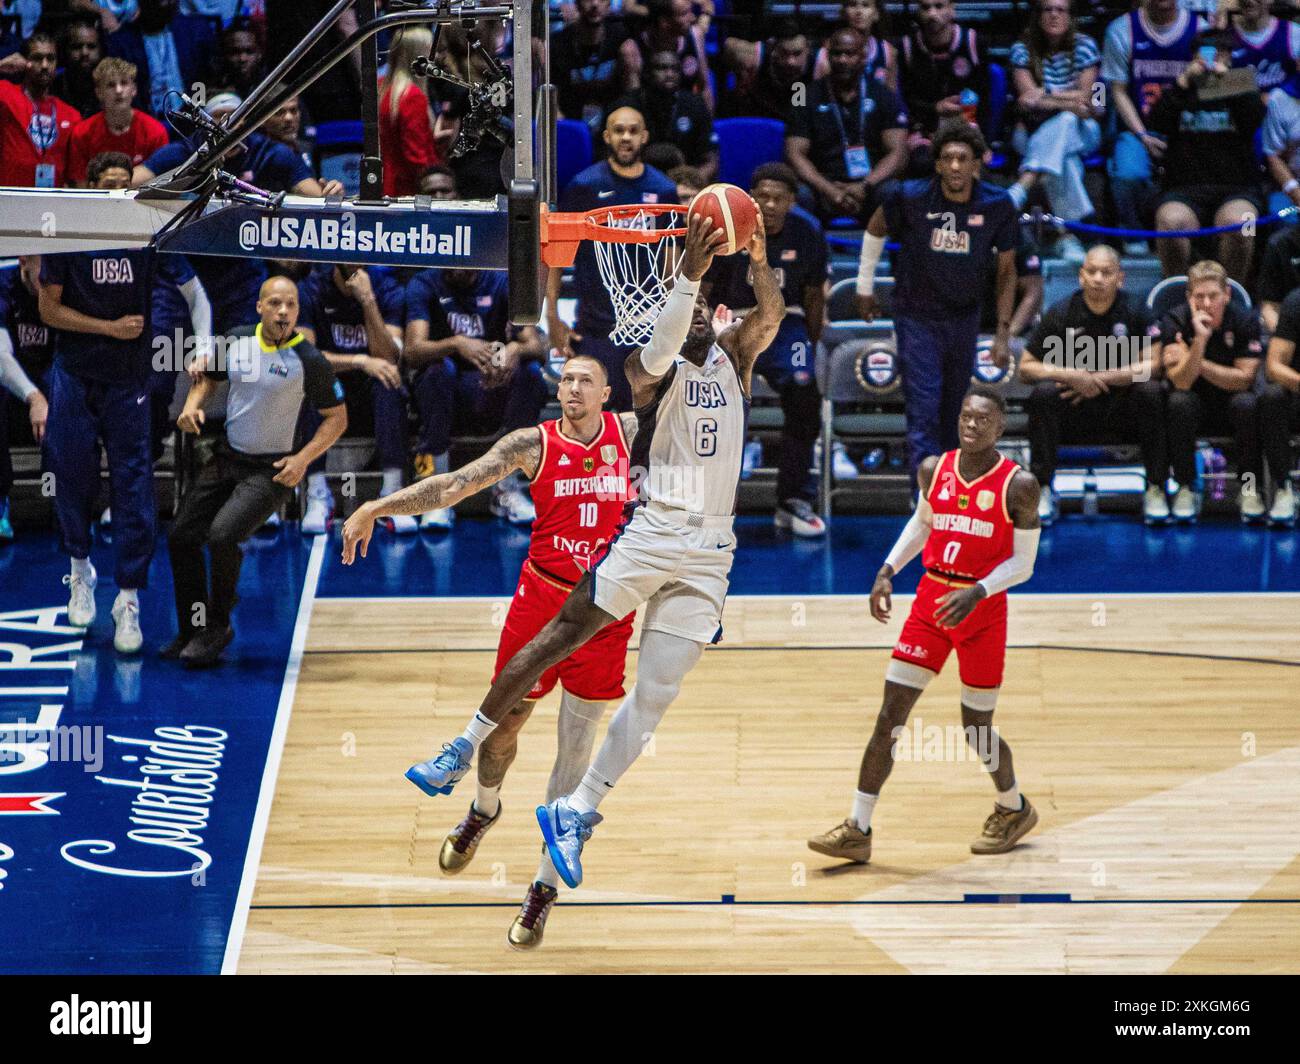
576,735
127,595
863,804
488,800
1010,798
392,481
83,570
317,484
546,872
478,729
591,792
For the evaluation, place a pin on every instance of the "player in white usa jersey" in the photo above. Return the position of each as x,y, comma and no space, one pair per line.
690,388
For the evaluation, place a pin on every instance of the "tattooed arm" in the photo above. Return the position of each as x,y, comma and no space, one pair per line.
521,449
628,422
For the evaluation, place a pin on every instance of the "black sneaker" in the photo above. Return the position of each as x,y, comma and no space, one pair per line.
172,650
798,516
204,650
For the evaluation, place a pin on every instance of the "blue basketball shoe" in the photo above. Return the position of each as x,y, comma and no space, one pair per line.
440,774
565,830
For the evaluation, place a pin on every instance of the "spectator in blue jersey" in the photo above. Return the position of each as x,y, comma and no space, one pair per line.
879,55
1055,71
1211,177
623,178
584,63
253,468
1143,53
232,284
939,63
850,135
674,116
947,228
26,351
796,251
99,304
1270,45
768,72
170,51
472,372
1280,141
354,316
671,25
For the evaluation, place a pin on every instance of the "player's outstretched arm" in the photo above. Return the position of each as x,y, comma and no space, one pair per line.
909,544
521,449
754,334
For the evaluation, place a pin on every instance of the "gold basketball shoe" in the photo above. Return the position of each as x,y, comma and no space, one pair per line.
1005,827
846,841
529,926
458,847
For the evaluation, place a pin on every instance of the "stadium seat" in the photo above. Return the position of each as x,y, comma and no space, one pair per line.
340,136
841,304
745,144
1172,291
839,350
573,150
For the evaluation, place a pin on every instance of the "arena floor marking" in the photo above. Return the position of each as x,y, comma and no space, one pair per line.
1143,805
270,774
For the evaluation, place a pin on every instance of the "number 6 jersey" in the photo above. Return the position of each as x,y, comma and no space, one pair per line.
971,533
691,436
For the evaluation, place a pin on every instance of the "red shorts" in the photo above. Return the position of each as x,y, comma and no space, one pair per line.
980,640
593,672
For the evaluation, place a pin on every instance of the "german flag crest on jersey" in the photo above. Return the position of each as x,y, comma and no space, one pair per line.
588,464
963,501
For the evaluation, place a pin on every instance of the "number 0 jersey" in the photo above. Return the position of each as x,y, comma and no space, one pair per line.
580,492
971,532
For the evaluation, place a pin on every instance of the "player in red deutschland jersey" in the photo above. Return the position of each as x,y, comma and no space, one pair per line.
977,520
578,467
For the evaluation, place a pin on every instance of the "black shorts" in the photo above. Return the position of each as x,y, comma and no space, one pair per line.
1205,200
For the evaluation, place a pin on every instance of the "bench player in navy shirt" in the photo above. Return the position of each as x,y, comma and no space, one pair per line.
354,317
474,372
26,350
796,251
233,284
623,178
99,303
948,228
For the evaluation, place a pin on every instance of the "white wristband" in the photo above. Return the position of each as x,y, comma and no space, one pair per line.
1290,186
872,248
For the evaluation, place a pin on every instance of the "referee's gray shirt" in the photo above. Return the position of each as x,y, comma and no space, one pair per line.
267,387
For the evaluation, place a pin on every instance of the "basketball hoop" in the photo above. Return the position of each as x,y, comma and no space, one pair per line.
636,247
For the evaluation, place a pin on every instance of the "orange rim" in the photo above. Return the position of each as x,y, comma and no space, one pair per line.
563,231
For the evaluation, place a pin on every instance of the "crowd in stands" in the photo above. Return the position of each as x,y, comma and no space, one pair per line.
1161,115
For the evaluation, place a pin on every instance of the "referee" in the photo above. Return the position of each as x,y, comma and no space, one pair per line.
947,227
252,470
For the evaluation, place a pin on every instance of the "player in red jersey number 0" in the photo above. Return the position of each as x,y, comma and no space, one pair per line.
977,522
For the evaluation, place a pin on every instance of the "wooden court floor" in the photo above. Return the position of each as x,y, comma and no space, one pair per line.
1159,737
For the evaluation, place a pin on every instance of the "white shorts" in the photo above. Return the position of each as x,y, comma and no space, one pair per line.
680,568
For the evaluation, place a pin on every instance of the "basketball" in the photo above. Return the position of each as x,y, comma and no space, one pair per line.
731,209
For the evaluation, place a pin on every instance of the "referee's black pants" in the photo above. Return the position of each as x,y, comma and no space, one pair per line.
232,496
1205,410
1134,413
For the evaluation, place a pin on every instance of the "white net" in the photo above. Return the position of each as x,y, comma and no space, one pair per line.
637,275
